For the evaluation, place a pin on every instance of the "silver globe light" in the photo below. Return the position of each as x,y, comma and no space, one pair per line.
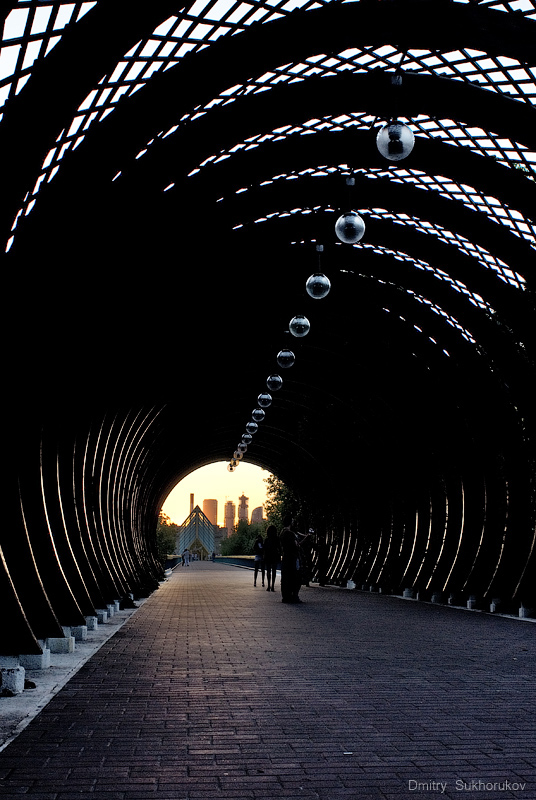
242,447
238,455
252,427
350,227
395,141
247,438
285,358
264,400
274,382
299,326
258,415
318,286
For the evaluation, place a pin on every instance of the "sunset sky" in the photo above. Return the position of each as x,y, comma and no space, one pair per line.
214,481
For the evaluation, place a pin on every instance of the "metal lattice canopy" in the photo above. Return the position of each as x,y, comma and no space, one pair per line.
169,173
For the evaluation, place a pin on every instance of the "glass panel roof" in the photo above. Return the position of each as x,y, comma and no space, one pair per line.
31,30
439,274
448,318
172,39
472,198
34,27
476,251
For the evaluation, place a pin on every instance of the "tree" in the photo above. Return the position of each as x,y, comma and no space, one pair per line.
281,500
240,543
166,537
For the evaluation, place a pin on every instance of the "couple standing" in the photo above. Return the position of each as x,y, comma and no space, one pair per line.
267,553
287,549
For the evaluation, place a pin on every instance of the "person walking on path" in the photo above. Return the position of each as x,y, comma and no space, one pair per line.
272,556
258,553
186,558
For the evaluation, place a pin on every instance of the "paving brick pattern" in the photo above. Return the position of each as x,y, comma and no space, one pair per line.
214,689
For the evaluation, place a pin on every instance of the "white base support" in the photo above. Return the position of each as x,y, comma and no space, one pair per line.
36,661
79,632
12,680
65,644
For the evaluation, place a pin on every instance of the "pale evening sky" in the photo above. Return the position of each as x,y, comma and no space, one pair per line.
215,481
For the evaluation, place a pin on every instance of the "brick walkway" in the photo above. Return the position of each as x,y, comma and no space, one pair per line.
214,689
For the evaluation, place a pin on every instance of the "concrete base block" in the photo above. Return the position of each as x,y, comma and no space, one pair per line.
102,615
92,623
471,603
12,680
9,662
436,597
79,632
111,610
40,661
524,613
117,606
409,593
65,644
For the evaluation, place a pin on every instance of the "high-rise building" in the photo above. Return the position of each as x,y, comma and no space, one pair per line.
229,517
257,515
243,508
210,510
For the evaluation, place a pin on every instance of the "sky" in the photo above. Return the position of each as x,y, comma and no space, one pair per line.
216,482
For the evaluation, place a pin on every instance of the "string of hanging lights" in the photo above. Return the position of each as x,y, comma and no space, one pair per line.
394,142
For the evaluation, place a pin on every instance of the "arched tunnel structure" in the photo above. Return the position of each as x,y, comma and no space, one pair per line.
171,176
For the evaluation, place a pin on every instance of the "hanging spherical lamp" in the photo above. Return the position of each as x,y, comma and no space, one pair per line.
318,286
238,455
258,415
274,382
252,427
264,400
247,438
395,141
285,358
350,227
232,466
299,326
242,447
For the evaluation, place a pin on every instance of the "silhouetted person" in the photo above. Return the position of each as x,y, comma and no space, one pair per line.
272,556
322,559
290,562
306,546
258,553
186,558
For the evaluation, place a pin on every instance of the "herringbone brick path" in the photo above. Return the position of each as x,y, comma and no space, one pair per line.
214,689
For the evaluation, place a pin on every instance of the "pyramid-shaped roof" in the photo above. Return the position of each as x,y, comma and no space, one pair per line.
196,529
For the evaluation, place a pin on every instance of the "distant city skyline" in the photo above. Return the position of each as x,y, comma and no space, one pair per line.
216,482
